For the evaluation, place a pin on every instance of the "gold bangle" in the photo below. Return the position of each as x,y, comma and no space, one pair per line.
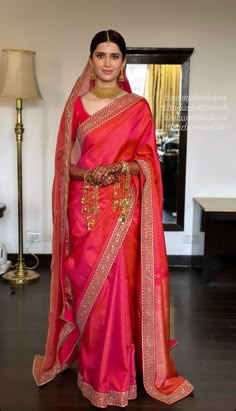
125,167
85,176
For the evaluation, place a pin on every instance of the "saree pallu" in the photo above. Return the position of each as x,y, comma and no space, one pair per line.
110,300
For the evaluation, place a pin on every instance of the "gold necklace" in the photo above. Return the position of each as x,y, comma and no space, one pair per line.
106,92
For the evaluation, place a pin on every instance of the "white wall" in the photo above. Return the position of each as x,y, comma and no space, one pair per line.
60,32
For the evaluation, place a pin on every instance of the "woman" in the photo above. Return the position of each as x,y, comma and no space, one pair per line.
109,292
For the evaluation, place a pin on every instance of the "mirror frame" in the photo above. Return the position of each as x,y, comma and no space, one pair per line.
150,55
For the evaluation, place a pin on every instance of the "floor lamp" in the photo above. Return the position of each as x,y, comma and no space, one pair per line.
18,80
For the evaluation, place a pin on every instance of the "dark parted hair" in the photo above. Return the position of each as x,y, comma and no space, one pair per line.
113,36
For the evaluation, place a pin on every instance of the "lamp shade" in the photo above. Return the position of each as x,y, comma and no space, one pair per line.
18,75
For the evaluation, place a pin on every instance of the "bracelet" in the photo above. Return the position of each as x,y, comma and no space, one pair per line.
125,167
85,176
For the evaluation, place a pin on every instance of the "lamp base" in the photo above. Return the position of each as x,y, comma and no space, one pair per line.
28,276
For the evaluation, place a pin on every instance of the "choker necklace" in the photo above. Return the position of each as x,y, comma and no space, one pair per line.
106,92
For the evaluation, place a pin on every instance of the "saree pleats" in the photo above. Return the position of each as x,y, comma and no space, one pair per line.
112,313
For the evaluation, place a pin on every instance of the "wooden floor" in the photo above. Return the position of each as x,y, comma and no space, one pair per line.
203,319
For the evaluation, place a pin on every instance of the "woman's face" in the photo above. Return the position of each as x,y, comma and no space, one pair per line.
107,62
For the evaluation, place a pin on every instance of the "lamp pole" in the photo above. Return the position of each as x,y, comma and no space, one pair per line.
19,130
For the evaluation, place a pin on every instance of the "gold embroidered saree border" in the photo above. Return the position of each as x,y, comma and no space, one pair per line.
149,327
102,400
182,391
104,265
43,378
147,278
107,113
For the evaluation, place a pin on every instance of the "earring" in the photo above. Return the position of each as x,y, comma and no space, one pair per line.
92,76
121,78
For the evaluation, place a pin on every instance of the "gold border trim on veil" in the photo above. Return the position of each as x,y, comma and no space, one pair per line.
151,374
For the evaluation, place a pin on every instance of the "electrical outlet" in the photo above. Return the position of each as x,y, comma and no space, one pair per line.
33,236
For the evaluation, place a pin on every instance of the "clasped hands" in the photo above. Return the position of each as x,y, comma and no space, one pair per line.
105,175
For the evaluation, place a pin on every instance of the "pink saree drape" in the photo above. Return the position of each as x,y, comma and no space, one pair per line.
109,291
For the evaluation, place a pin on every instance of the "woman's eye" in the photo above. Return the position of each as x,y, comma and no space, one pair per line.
113,56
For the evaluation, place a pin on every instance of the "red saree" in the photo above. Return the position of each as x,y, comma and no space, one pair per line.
109,305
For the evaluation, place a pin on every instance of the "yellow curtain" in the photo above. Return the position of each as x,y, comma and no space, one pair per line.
163,92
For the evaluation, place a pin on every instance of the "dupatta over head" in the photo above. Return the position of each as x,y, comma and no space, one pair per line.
129,116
